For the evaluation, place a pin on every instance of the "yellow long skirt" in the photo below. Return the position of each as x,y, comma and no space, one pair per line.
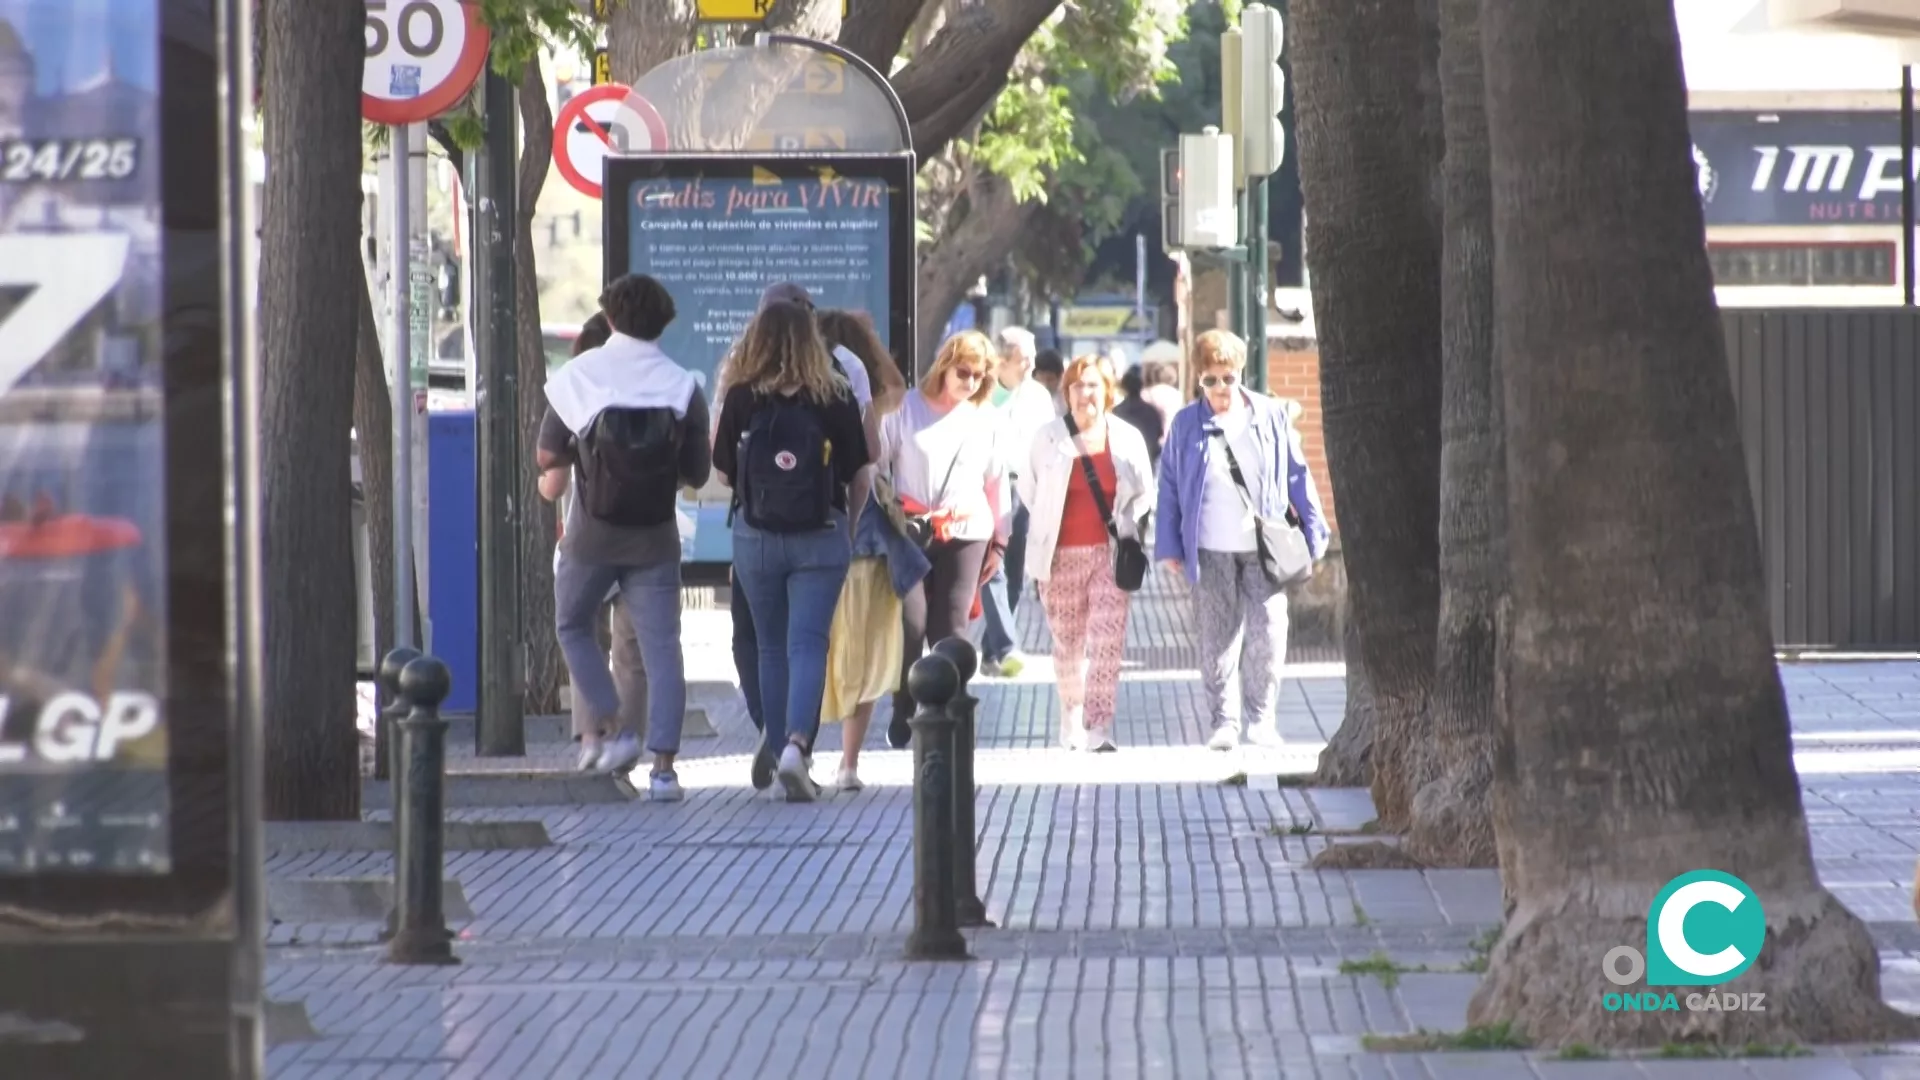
865,645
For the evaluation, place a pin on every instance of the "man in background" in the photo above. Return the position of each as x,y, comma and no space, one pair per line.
1025,406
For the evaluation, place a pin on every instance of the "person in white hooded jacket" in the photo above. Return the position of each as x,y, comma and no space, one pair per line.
1069,544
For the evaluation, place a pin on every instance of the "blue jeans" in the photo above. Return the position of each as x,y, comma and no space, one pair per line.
792,582
652,598
1001,598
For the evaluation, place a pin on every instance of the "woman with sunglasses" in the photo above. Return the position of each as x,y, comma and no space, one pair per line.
941,448
1208,532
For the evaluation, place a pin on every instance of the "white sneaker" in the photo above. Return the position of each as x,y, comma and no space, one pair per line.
665,787
620,755
590,753
794,776
849,780
1073,730
1225,737
1265,735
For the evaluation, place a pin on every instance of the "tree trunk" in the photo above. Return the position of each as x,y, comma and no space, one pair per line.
880,31
546,670
1347,760
310,227
1649,730
973,245
642,34
1452,815
950,84
1365,169
373,424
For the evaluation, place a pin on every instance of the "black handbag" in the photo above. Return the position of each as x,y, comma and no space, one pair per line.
1130,560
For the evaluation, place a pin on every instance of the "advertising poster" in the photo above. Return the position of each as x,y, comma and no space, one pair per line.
83,651
717,231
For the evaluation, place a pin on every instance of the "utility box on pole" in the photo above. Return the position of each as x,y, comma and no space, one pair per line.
1207,211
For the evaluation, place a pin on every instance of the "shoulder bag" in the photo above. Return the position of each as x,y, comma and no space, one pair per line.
1129,554
1282,545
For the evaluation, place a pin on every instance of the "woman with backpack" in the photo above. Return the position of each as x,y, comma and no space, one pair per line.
790,443
886,565
943,453
1088,482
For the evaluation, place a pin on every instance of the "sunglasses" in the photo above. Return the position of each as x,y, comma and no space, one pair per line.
1211,381
968,374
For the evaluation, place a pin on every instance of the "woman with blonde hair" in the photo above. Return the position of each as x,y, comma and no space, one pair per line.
1088,484
942,451
863,655
790,442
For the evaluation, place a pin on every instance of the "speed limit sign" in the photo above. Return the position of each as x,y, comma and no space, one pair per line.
422,56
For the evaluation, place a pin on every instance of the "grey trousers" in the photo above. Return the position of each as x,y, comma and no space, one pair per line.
651,595
1241,622
629,677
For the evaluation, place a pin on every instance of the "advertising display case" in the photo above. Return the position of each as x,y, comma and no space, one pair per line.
129,862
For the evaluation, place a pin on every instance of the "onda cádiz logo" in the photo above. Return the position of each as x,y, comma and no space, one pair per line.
1704,928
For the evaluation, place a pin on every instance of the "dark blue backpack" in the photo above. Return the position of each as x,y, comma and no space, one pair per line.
786,468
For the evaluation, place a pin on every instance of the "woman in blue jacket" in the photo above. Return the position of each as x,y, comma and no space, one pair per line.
1208,532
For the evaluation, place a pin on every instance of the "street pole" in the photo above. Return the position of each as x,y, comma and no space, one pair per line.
1237,274
1258,292
1906,181
499,727
400,386
420,313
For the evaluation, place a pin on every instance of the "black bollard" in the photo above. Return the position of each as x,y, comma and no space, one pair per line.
388,762
967,905
936,931
420,832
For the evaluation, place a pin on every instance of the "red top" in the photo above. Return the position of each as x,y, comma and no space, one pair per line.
1081,523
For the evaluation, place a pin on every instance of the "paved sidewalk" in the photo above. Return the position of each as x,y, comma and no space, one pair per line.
1152,920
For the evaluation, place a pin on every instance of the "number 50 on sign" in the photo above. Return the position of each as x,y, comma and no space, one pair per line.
422,57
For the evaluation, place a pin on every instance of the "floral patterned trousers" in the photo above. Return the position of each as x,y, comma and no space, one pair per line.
1087,613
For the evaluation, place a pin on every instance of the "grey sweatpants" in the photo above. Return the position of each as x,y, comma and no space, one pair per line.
652,600
1241,621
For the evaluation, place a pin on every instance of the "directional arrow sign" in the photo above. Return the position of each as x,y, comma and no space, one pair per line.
825,76
608,119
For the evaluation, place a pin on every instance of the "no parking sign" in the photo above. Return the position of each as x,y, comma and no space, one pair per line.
606,120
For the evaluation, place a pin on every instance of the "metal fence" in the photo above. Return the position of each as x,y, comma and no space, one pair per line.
1829,404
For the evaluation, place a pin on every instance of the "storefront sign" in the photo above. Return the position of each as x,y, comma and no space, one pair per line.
1798,168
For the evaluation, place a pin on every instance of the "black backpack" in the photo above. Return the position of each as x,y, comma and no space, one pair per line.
630,466
786,468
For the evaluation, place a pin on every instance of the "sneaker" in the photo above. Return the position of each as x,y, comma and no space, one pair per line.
1073,733
794,776
665,788
1265,735
899,735
848,780
1225,737
1100,741
590,754
762,774
620,755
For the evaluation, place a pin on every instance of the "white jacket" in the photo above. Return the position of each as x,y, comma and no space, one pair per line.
1054,460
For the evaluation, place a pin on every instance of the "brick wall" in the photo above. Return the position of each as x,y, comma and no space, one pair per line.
1295,373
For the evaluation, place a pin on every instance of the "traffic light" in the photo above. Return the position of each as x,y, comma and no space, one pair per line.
1263,90
1209,217
1231,102
1170,238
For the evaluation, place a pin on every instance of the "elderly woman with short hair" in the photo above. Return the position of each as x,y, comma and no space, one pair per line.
1230,461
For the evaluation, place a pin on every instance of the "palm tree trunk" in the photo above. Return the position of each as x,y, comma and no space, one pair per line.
545,668
1366,169
1649,730
308,324
1452,823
